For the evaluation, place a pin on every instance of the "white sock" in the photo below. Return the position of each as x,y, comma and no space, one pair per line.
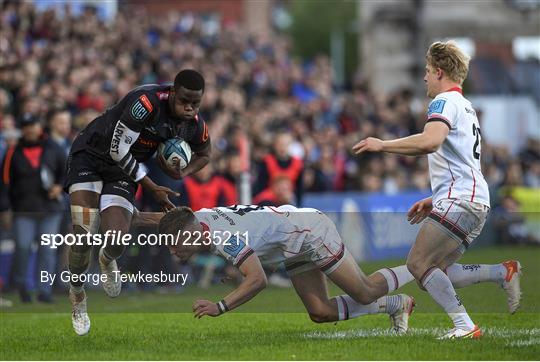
396,277
349,308
462,275
106,258
441,290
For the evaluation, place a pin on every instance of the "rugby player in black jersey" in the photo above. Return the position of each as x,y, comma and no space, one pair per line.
105,168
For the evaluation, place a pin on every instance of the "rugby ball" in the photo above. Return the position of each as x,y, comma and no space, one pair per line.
175,151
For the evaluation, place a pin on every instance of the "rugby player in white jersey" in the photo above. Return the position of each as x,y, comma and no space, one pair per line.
457,210
304,239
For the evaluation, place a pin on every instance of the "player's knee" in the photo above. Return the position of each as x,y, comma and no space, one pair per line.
415,267
320,316
114,251
85,219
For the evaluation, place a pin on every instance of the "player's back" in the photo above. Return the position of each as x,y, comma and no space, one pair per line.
274,233
455,169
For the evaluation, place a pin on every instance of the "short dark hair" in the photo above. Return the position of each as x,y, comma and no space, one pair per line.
176,220
189,79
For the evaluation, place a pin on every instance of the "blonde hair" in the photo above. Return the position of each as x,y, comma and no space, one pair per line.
450,58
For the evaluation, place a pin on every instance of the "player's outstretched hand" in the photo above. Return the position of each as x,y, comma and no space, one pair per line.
370,144
419,211
176,173
203,307
161,194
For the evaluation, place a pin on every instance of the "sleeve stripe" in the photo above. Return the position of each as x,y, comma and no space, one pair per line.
244,257
437,119
130,165
124,161
133,170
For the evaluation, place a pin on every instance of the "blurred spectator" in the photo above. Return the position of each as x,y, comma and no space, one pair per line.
33,173
280,163
509,223
205,189
279,193
59,123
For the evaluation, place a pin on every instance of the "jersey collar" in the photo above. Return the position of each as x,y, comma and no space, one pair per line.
456,89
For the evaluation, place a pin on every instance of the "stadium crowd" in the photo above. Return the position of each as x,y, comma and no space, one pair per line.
65,70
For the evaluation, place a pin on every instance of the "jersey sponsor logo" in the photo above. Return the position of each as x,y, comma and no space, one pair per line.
117,136
162,95
148,143
436,106
470,111
128,140
234,246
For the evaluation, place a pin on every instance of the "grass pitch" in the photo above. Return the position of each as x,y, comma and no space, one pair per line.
273,326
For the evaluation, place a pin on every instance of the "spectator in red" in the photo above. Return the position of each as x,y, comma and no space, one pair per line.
279,163
32,174
205,189
279,193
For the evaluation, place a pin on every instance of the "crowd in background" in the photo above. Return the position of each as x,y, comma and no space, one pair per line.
67,70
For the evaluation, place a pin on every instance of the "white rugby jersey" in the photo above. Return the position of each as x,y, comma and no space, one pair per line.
274,233
455,167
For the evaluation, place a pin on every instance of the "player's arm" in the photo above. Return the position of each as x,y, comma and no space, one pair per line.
146,219
423,143
201,146
200,159
126,131
254,281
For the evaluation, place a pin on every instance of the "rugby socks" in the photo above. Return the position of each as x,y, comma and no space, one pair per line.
463,275
439,286
105,257
396,277
349,308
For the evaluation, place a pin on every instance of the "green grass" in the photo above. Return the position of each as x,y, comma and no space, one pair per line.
273,326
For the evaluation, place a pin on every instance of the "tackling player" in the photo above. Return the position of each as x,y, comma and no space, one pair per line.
104,170
304,239
457,211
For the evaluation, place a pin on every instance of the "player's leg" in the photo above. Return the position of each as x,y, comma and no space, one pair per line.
364,294
310,285
84,186
330,251
440,236
116,207
84,201
506,274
